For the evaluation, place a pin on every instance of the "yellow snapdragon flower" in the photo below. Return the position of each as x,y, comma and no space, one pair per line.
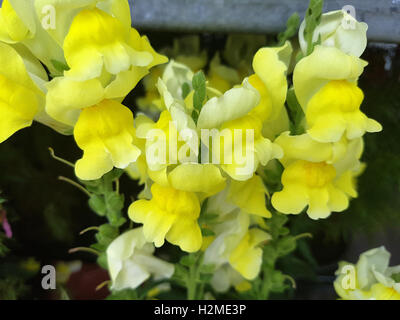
21,98
370,278
65,11
270,66
205,179
320,176
249,196
105,132
22,91
234,250
172,215
106,60
313,184
247,256
230,113
330,97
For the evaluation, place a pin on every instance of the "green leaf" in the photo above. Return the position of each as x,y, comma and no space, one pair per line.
98,204
284,231
296,113
292,26
208,218
102,260
313,18
286,245
199,86
185,90
207,232
106,234
114,174
114,201
60,66
396,277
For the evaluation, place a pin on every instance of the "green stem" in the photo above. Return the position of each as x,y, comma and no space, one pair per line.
90,250
53,155
75,184
89,229
193,291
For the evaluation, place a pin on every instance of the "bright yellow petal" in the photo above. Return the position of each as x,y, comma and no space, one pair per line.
250,196
194,177
320,67
105,129
247,257
20,98
187,235
270,65
66,97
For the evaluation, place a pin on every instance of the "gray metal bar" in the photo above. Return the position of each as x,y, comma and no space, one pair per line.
259,16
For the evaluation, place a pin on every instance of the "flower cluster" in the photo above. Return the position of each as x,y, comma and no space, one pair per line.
204,145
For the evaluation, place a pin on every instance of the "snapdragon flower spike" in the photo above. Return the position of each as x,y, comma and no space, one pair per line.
105,132
131,261
172,215
330,97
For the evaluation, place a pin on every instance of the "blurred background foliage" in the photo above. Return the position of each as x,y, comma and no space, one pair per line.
46,214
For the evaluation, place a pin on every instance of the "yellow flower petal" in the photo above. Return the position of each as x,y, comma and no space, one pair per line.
20,98
247,257
270,66
194,177
171,214
250,196
105,132
314,71
96,40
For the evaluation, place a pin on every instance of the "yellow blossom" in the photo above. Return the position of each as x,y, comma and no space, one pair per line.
247,256
105,133
172,215
330,97
313,184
